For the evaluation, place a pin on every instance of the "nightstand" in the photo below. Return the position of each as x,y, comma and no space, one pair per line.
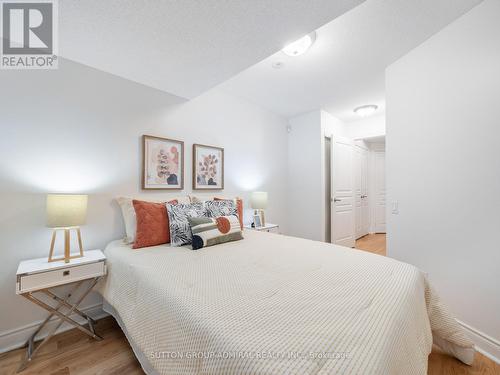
38,277
271,228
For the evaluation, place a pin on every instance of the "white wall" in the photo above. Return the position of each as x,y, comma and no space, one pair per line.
77,129
332,126
305,201
306,172
368,127
443,166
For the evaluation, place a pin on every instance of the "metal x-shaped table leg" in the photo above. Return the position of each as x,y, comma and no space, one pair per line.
64,317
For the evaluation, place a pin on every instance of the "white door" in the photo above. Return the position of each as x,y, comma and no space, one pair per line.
379,199
362,211
365,206
342,192
357,191
362,217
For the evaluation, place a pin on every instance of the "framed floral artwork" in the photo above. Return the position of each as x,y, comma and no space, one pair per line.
208,167
163,163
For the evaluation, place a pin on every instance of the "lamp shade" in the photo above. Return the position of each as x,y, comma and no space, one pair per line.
66,210
258,200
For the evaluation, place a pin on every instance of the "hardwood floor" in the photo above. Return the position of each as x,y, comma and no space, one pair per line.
439,363
73,353
374,243
442,364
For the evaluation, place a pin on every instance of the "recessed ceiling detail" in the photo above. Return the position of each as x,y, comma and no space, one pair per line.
278,64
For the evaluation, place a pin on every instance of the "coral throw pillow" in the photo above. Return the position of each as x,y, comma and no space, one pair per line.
239,208
152,224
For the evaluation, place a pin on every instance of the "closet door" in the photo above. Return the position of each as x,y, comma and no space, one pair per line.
362,218
358,191
365,206
343,201
379,190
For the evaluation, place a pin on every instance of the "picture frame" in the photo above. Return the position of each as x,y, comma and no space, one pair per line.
208,167
162,163
257,221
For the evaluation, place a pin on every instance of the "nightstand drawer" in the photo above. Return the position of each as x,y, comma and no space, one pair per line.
42,280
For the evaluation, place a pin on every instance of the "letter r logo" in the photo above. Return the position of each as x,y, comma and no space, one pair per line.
27,28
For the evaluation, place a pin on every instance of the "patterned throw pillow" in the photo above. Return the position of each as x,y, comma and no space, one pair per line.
221,208
239,207
210,231
178,214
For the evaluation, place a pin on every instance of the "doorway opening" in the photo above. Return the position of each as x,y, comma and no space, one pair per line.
357,190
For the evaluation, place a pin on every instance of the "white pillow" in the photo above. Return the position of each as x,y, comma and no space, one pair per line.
201,198
128,213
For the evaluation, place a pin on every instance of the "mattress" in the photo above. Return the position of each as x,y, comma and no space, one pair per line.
273,304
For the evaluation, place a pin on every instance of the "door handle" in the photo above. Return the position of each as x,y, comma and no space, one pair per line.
336,200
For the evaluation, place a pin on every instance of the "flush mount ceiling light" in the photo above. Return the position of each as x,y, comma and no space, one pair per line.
366,110
301,45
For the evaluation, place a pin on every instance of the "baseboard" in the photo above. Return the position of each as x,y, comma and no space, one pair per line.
16,338
486,345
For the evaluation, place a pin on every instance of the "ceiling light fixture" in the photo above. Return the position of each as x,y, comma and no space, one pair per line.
365,110
300,46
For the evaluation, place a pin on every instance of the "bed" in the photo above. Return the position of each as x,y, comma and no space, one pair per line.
273,304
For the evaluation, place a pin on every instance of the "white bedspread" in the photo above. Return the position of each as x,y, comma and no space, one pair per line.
273,304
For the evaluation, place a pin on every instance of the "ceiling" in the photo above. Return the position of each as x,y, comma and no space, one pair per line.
185,47
345,67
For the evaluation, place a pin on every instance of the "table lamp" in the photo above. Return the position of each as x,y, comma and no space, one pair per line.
258,201
66,212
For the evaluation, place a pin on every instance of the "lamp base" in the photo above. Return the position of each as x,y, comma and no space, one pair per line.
67,252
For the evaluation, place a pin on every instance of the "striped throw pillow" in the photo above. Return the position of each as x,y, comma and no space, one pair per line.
210,231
